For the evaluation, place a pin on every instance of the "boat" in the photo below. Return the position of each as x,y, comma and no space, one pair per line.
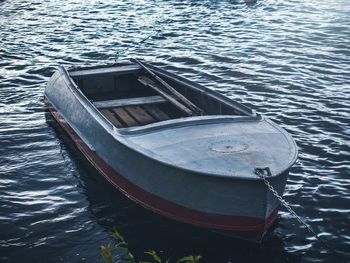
175,147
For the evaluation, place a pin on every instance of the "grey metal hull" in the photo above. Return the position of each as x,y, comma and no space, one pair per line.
217,202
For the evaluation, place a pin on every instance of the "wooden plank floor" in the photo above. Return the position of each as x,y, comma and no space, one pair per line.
110,116
125,117
132,116
140,115
157,113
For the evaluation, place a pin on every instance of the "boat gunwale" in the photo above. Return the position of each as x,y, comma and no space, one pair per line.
119,136
186,122
181,80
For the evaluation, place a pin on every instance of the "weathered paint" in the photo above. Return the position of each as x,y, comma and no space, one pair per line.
231,203
245,227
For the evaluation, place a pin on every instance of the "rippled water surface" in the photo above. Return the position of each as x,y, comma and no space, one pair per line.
289,60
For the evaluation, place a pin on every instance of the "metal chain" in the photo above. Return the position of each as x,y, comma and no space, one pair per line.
138,43
154,32
260,172
286,204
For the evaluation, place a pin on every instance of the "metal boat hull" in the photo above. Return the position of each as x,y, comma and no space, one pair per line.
235,205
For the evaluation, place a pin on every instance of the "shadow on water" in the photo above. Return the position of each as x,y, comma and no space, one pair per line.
145,230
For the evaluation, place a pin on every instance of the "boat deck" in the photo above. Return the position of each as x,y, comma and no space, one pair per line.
135,111
130,116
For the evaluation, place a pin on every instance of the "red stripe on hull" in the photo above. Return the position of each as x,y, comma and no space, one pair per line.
248,227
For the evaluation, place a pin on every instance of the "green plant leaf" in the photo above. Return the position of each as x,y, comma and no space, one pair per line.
154,255
122,252
190,259
121,244
131,256
116,235
106,252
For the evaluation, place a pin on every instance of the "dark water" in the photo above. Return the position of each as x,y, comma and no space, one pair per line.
289,60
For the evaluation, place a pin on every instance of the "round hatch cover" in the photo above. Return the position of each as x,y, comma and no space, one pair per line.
228,146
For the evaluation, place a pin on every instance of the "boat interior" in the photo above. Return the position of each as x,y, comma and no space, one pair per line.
129,95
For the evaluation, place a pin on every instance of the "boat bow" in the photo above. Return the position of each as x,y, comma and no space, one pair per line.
217,145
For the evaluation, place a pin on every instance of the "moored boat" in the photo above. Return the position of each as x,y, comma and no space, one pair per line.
175,147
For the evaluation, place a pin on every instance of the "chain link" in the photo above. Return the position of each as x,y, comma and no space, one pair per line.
285,203
154,32
263,173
